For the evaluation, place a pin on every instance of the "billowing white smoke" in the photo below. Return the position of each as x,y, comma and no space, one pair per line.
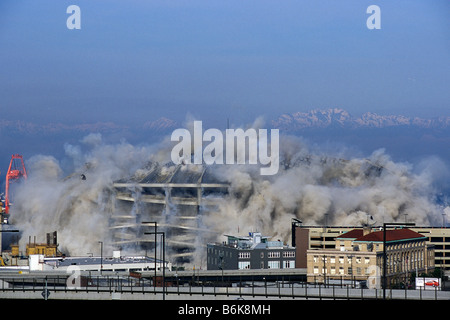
320,189
76,206
313,187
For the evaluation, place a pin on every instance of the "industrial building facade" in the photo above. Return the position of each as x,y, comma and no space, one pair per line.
358,254
252,252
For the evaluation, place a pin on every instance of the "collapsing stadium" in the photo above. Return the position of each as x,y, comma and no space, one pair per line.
179,198
173,196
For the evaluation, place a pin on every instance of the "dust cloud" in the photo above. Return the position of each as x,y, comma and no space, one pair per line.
312,185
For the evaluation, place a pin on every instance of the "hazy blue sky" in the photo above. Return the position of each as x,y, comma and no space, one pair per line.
137,60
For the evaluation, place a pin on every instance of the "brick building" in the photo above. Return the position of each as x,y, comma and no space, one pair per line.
358,254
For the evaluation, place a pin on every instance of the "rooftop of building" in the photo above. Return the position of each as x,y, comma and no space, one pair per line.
399,234
352,234
108,260
255,240
116,259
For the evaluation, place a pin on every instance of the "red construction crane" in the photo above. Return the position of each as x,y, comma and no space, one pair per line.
16,171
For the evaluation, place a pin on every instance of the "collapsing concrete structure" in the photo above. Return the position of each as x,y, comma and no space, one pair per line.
175,197
178,198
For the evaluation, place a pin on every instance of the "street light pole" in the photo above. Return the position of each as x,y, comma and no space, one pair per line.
101,257
221,263
164,259
156,231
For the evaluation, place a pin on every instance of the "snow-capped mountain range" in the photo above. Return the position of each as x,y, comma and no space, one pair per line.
291,122
339,118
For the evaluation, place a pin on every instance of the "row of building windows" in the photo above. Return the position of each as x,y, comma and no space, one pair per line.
341,259
378,246
217,251
270,264
341,270
405,261
246,254
406,245
412,259
270,254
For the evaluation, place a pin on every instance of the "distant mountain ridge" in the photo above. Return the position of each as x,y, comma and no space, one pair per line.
26,127
340,118
290,122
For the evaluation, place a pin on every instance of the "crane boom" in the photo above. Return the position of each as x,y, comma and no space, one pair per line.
16,171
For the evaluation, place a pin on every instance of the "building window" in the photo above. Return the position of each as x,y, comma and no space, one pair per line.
244,265
262,255
244,255
288,254
290,264
273,254
273,264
